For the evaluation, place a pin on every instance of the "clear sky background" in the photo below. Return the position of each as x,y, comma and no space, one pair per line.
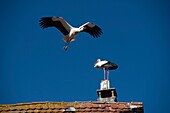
34,67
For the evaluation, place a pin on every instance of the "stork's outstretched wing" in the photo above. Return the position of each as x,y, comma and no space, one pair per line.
57,22
92,29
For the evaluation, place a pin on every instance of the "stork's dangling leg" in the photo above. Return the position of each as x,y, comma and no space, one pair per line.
66,46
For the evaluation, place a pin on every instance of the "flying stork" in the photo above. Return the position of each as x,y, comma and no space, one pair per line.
105,65
69,31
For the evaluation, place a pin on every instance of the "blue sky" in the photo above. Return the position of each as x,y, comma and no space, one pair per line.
34,67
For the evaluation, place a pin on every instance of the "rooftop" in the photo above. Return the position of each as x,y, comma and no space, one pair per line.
75,107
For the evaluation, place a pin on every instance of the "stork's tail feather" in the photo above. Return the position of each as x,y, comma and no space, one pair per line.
68,39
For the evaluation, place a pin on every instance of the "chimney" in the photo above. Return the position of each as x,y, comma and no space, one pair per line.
105,93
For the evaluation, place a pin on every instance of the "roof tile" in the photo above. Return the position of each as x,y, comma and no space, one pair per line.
84,107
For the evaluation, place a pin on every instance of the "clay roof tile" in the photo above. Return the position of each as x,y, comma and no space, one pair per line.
84,107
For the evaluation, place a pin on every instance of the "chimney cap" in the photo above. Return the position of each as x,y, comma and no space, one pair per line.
107,95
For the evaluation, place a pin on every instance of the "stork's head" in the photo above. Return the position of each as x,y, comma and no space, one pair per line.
98,60
95,64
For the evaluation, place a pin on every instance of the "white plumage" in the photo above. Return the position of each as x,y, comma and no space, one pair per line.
105,65
69,31
99,63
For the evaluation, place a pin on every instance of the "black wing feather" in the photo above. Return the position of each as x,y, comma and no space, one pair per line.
46,22
112,66
94,31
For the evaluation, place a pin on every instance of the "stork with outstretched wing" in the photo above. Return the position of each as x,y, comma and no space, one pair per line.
69,31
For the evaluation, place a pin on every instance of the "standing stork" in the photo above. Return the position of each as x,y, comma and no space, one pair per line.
105,65
69,31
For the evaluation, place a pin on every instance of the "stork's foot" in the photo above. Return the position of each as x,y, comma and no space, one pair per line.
65,48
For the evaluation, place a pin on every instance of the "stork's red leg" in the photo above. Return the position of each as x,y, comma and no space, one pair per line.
66,46
105,73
